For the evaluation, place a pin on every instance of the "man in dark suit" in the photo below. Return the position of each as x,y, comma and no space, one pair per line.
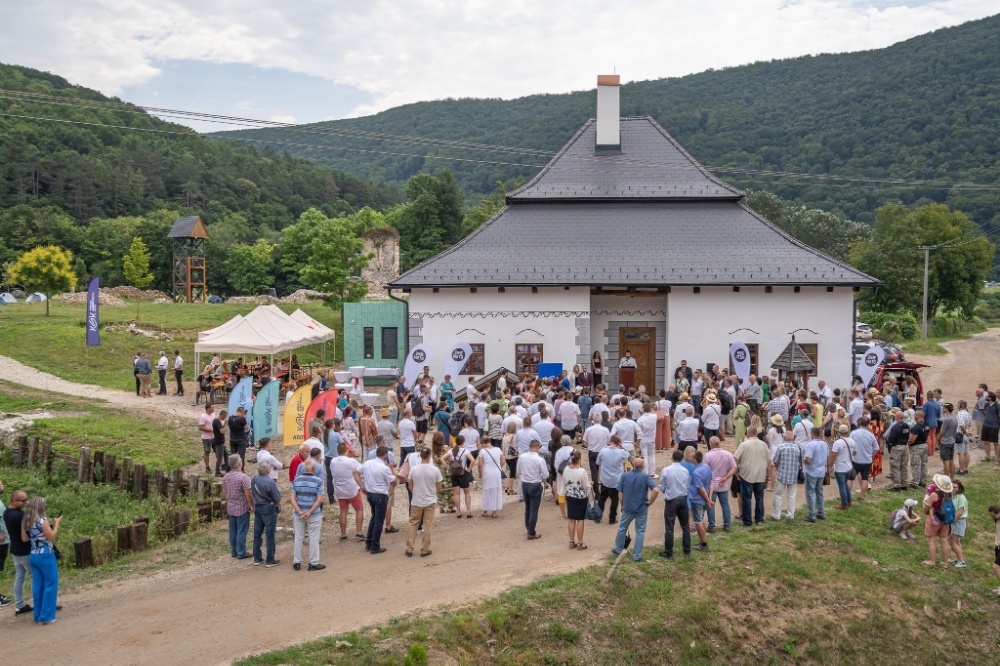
585,379
687,371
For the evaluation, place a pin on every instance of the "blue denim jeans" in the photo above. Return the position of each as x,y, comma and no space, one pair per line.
640,532
22,567
265,520
814,496
238,528
44,585
532,502
756,490
845,489
378,503
721,499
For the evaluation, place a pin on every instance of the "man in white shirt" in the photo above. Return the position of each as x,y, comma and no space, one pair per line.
519,407
711,417
161,371
596,437
569,417
424,484
179,372
471,435
470,391
627,361
825,393
625,428
635,406
512,417
377,479
533,471
600,407
264,455
680,409
687,429
345,472
482,412
543,426
407,429
502,383
647,437
801,430
856,409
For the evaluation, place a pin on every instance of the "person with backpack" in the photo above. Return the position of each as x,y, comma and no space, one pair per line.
940,511
961,503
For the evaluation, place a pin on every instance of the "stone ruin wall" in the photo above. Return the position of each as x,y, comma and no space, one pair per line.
384,266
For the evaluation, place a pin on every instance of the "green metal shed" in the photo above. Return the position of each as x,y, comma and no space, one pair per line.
374,334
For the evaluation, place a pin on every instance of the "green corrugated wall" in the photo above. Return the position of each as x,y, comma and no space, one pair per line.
375,315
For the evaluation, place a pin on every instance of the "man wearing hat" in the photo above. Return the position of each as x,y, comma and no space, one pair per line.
840,464
711,416
935,528
387,429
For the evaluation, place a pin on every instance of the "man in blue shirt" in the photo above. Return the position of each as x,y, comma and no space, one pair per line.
932,419
674,482
632,489
816,453
699,496
584,402
610,467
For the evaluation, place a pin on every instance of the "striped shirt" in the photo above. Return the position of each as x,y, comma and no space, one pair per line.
306,488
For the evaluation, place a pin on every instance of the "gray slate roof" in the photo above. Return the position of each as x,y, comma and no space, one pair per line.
629,244
651,216
651,167
183,226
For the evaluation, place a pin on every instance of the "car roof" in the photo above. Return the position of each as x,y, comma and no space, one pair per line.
904,365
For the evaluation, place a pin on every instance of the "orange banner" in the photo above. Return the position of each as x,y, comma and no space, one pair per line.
295,416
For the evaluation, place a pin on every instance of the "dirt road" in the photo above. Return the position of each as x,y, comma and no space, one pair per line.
969,363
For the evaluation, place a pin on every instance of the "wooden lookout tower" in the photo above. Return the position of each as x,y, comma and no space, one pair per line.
190,278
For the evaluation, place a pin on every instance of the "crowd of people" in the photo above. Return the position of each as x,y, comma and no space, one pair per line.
594,453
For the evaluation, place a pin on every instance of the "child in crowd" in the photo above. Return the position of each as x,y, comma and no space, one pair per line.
905,519
961,503
995,515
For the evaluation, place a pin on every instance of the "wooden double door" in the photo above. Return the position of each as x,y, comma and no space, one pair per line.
641,341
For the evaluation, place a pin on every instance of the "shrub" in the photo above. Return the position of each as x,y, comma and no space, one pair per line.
947,325
988,307
892,326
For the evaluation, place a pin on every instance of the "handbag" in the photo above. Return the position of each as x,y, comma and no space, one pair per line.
594,511
503,474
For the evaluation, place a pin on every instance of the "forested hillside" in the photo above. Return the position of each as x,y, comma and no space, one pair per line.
924,109
94,170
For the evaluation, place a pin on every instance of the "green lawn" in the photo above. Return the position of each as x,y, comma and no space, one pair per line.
90,510
55,343
846,590
91,423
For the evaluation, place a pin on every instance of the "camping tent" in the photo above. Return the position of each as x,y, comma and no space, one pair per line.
7,298
37,297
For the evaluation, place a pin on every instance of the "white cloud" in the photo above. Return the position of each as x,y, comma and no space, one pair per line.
407,51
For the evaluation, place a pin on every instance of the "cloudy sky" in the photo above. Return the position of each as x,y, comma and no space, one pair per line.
309,60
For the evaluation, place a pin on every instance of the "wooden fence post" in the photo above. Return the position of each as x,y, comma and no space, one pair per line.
204,511
84,553
139,480
99,462
83,471
192,487
124,540
218,509
32,451
47,455
126,474
110,469
19,450
159,487
139,535
182,518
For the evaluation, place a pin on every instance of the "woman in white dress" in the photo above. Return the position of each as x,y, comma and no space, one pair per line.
490,462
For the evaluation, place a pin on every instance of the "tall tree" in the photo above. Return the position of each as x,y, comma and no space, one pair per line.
431,221
816,228
251,267
47,269
958,269
335,263
135,268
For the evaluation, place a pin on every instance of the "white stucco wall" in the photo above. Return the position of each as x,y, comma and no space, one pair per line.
699,325
638,311
524,323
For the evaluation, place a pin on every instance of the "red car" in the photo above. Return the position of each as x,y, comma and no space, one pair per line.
899,370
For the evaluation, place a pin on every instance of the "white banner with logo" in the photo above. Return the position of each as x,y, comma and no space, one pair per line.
869,363
457,358
418,357
739,356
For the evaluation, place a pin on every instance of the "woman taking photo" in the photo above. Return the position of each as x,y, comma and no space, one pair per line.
577,487
41,535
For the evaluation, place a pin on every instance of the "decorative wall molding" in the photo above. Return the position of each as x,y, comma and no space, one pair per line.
537,314
628,313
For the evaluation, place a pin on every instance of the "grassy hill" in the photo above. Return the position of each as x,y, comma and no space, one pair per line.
105,168
927,108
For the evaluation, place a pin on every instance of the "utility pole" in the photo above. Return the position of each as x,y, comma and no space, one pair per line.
927,262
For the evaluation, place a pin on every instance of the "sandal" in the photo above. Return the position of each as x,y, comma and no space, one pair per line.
459,516
572,545
391,530
483,514
927,563
581,546
468,515
495,515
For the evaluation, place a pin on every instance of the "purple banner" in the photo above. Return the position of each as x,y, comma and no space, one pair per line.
93,318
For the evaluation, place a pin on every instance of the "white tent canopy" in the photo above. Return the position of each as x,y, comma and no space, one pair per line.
277,323
303,318
37,297
265,330
204,335
243,338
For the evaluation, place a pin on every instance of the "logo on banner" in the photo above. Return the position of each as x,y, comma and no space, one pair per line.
740,355
458,355
419,356
871,359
